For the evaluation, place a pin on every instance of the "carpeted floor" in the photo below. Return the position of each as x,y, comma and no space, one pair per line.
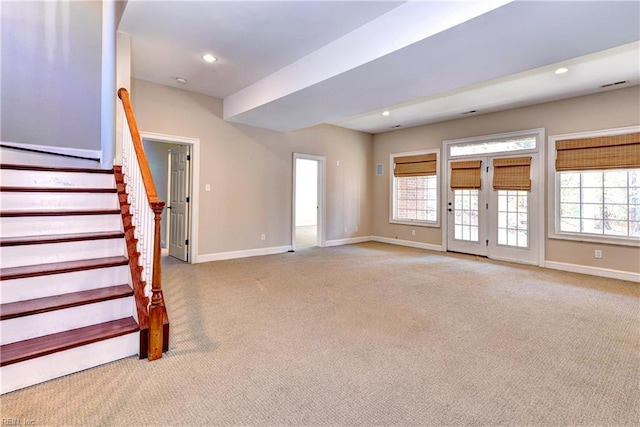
369,334
306,236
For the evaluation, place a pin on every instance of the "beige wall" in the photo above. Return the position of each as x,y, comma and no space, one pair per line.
51,57
250,171
593,112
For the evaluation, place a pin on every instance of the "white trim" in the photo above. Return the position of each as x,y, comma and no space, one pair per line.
594,271
108,86
419,245
540,149
392,200
194,208
553,186
220,256
322,198
49,149
348,241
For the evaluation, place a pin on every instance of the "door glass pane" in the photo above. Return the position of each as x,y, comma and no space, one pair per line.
513,218
466,215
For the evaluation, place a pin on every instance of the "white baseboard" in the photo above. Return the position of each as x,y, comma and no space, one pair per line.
594,271
220,256
409,243
348,241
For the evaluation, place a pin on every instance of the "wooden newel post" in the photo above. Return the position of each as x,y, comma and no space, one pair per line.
156,308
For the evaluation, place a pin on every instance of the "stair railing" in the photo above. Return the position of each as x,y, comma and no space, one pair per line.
147,210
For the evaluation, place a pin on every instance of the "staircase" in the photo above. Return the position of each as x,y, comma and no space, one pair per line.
67,302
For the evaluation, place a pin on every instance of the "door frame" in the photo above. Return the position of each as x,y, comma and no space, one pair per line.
539,133
321,198
194,180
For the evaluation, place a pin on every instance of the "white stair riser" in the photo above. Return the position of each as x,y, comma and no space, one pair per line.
26,201
22,178
35,371
65,283
17,256
37,325
48,225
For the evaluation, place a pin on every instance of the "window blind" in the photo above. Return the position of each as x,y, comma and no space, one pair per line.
604,152
512,173
465,175
420,165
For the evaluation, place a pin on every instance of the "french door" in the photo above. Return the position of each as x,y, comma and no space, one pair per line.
500,224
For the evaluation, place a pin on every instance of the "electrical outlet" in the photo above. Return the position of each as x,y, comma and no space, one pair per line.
263,237
413,232
356,228
598,254
346,230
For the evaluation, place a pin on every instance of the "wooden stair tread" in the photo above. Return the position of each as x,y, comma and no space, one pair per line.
60,267
48,344
60,212
60,238
54,168
58,190
57,302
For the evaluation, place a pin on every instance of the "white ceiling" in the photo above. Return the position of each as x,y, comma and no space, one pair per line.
292,64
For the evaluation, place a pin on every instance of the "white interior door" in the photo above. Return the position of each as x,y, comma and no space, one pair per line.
179,203
499,224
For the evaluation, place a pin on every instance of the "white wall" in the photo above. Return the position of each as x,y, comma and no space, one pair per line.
51,73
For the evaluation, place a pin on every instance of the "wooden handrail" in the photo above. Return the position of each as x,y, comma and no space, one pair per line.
156,307
147,178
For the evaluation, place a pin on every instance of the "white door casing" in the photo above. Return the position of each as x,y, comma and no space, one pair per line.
497,211
194,181
321,215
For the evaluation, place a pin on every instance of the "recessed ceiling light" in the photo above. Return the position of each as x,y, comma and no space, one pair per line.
181,80
561,70
209,58
385,113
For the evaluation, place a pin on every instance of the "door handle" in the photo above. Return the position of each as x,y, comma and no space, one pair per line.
450,210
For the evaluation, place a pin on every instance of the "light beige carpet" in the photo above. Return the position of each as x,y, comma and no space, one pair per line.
369,334
306,236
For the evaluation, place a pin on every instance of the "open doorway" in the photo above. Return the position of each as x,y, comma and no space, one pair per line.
308,201
174,165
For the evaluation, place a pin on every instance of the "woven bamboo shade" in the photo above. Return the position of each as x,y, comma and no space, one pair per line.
605,152
512,173
465,175
420,165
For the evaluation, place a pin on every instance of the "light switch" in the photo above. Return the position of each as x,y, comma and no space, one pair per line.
207,187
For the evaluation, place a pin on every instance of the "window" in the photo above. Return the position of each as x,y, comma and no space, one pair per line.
604,202
493,146
414,188
597,186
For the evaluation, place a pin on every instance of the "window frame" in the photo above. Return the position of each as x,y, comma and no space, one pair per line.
392,189
553,182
